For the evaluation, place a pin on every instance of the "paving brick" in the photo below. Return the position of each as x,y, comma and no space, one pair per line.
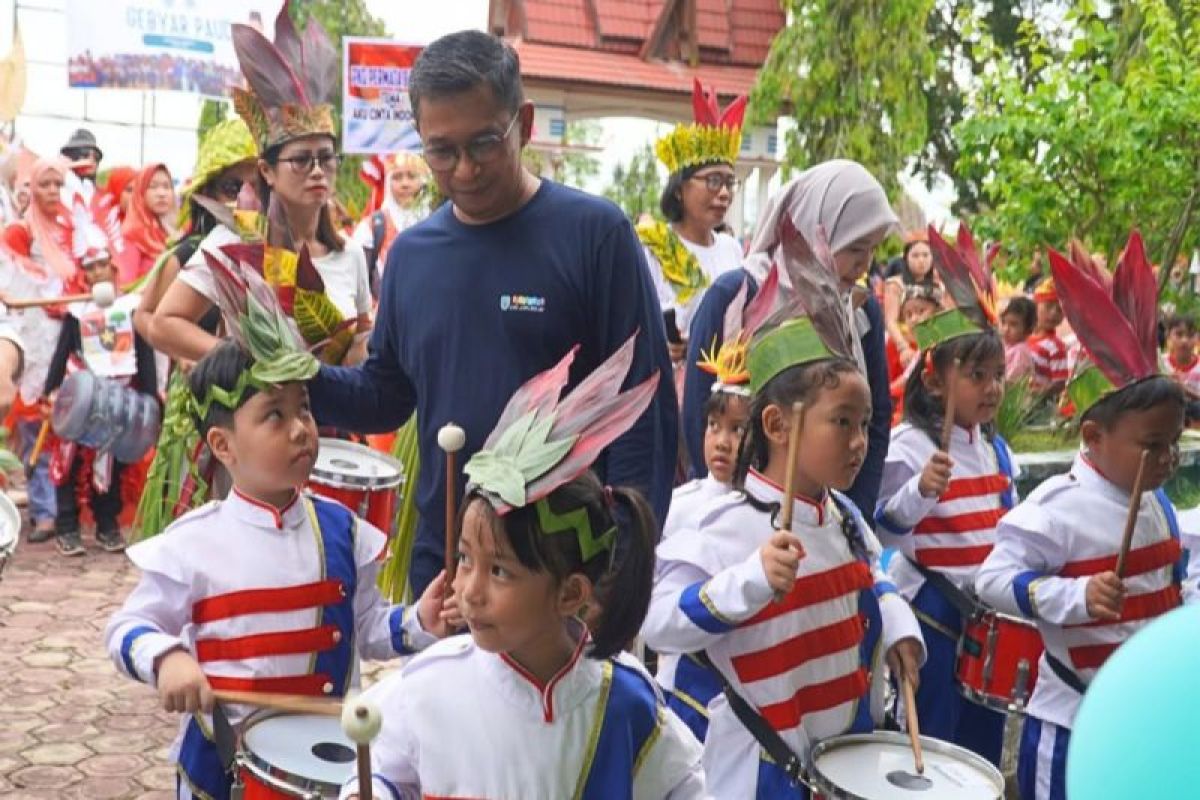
56,753
45,777
112,765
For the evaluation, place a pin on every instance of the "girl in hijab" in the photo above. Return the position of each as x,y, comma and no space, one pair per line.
118,195
144,231
850,205
400,199
41,266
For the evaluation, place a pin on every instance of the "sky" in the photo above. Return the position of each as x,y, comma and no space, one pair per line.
116,117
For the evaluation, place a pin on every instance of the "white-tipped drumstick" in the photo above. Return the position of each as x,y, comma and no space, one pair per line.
103,294
361,721
451,438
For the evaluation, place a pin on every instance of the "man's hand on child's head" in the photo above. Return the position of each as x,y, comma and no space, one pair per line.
935,478
904,659
1105,594
780,559
438,610
182,685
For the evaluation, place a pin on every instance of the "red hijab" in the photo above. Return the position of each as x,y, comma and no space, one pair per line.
118,179
142,229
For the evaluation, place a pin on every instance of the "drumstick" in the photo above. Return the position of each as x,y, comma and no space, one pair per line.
294,703
104,293
361,722
948,419
451,439
789,480
1135,505
38,445
914,730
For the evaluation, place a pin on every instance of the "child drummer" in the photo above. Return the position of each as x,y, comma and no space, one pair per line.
270,590
942,494
1058,557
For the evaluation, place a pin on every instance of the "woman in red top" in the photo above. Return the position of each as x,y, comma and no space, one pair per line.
145,236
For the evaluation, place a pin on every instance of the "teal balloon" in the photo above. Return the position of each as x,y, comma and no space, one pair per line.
1137,733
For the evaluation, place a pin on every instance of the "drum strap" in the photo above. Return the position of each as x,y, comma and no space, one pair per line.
1065,674
963,603
224,737
770,740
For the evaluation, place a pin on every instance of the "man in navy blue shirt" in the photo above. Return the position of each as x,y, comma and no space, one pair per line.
495,287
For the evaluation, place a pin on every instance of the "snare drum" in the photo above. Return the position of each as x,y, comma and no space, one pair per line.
101,413
998,660
879,766
10,529
293,755
364,480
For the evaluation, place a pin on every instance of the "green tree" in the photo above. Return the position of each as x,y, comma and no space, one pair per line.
851,76
339,18
637,186
571,167
1106,137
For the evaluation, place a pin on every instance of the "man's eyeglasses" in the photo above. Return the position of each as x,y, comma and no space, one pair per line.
713,181
481,150
302,164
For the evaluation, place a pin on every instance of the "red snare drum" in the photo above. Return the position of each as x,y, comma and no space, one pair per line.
998,660
364,480
290,756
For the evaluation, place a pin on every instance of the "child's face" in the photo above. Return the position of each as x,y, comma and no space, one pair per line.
1117,451
1181,343
508,607
1012,328
978,388
272,446
917,310
100,271
723,436
833,438
1049,316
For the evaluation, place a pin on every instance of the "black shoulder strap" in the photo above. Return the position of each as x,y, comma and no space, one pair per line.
962,602
378,230
1065,674
759,728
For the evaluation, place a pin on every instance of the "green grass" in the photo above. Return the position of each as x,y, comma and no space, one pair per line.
1041,440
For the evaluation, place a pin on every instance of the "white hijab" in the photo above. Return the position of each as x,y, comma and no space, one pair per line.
840,196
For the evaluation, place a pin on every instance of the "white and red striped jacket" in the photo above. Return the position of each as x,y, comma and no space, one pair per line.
265,599
951,534
1051,362
810,663
1047,548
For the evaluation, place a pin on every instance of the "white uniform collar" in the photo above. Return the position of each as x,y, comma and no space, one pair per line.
261,515
1092,479
574,684
965,436
805,511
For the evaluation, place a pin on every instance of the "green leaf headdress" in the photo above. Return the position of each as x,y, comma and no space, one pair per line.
542,442
256,320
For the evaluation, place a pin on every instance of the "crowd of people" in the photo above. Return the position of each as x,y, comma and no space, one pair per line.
771,467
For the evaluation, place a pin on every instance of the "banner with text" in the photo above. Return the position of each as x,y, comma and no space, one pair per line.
160,45
376,111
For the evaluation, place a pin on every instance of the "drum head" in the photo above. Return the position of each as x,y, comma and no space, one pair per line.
879,765
141,433
73,405
346,464
308,749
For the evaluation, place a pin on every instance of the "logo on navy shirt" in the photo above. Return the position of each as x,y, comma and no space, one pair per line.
522,302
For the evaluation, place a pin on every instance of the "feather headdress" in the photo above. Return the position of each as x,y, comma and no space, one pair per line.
1116,322
257,321
543,441
810,321
969,281
728,360
714,136
89,241
292,81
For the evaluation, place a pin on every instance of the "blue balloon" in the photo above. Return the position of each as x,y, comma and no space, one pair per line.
1137,733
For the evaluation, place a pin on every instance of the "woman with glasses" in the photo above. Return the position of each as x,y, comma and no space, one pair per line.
687,252
295,136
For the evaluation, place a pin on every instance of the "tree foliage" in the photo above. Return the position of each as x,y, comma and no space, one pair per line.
339,18
1104,138
570,167
851,76
637,186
